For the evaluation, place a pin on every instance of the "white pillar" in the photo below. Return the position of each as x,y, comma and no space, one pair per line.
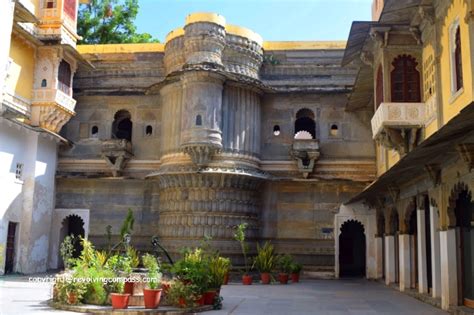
421,239
435,255
378,257
405,270
448,251
389,259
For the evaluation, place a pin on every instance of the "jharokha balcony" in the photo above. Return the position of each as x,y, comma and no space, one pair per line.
395,125
52,108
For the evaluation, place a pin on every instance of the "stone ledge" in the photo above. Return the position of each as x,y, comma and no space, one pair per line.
131,310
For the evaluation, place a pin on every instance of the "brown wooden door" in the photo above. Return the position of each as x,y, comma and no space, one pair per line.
10,255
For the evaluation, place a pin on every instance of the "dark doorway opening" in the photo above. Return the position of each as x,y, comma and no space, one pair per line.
395,226
122,125
413,231
10,250
73,225
352,250
464,212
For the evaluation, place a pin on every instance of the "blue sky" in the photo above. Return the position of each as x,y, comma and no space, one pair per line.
272,19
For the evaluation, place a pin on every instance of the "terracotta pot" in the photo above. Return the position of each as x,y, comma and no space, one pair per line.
200,300
209,297
151,297
71,298
283,278
226,278
119,301
128,287
182,302
265,277
295,277
246,280
165,287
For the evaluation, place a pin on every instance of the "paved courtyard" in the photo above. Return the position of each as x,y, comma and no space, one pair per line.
332,297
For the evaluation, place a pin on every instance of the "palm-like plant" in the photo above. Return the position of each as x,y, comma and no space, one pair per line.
265,261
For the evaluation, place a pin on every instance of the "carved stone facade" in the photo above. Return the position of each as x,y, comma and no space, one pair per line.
202,110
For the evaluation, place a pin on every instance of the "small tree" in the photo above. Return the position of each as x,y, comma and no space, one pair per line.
240,237
110,22
67,251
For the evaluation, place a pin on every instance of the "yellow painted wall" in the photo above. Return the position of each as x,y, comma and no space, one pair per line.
451,107
21,72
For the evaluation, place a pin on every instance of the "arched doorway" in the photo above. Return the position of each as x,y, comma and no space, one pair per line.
464,214
72,225
122,125
352,250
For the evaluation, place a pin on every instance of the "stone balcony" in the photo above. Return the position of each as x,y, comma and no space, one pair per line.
395,125
116,152
51,109
306,152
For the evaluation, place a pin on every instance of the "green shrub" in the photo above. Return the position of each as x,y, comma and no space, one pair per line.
285,263
151,263
265,261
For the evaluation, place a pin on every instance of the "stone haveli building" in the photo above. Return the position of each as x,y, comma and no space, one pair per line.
415,71
38,60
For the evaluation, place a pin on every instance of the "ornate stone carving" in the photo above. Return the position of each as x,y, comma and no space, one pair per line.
117,152
466,152
201,155
306,152
203,43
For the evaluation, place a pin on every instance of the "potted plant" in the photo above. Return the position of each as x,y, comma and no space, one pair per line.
295,272
218,268
152,294
70,291
284,264
132,255
265,261
118,297
239,236
67,251
181,294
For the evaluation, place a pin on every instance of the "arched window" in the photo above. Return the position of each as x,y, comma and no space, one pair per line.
122,125
405,80
149,130
334,130
305,122
457,60
198,120
276,130
94,131
379,88
44,83
64,77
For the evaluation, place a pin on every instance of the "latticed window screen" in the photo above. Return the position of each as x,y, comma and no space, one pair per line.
405,80
458,60
64,77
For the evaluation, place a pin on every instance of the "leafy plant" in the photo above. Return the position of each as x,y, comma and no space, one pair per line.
193,268
120,265
68,286
132,254
239,236
67,251
102,257
181,294
265,261
127,225
218,268
98,283
285,263
296,268
151,263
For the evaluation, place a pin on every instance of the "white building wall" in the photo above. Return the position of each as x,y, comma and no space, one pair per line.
28,201
6,23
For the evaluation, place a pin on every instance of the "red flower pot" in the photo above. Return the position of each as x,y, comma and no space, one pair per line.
209,297
71,298
151,297
246,280
295,277
200,301
182,302
119,301
128,287
265,277
226,278
283,278
165,287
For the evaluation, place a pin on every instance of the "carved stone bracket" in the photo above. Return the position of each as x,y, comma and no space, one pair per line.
306,152
402,140
415,32
201,155
434,171
380,34
116,152
466,151
394,192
